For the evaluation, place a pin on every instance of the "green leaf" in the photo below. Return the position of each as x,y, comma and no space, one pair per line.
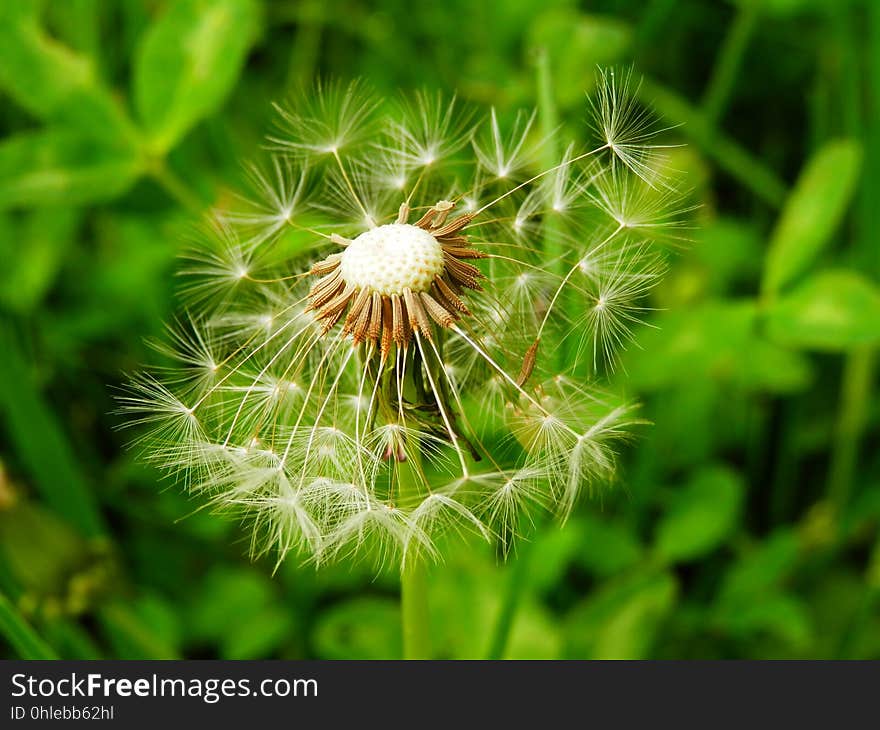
607,547
701,517
833,310
812,212
55,83
34,250
622,620
738,162
41,445
40,549
601,546
728,251
554,551
188,63
26,642
238,610
260,636
781,616
762,569
751,601
720,340
361,628
62,166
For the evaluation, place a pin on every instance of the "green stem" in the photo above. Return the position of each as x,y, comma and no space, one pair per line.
413,576
727,65
547,114
516,584
24,640
306,45
849,646
740,164
552,243
854,399
654,18
860,365
548,118
172,184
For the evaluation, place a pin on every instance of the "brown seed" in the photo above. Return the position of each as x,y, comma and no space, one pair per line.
354,313
443,208
454,225
363,319
438,313
528,364
325,289
425,220
463,253
464,274
443,293
337,304
387,327
326,265
376,317
399,328
418,319
403,212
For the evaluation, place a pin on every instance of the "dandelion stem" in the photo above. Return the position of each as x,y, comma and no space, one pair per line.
413,578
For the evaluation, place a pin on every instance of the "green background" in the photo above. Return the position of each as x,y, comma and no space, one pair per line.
745,522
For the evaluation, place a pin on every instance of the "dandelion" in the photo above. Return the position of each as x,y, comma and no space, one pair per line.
375,347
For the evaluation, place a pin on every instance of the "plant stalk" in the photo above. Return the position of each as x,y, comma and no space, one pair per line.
414,613
176,188
728,63
516,585
854,399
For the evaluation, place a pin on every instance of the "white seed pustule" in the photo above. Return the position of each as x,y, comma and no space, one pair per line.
398,279
392,258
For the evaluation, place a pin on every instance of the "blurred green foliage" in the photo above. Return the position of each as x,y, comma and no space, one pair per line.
746,520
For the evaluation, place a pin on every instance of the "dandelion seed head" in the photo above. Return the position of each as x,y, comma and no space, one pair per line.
395,332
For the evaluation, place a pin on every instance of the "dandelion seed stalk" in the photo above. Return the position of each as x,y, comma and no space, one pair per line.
415,619
356,371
